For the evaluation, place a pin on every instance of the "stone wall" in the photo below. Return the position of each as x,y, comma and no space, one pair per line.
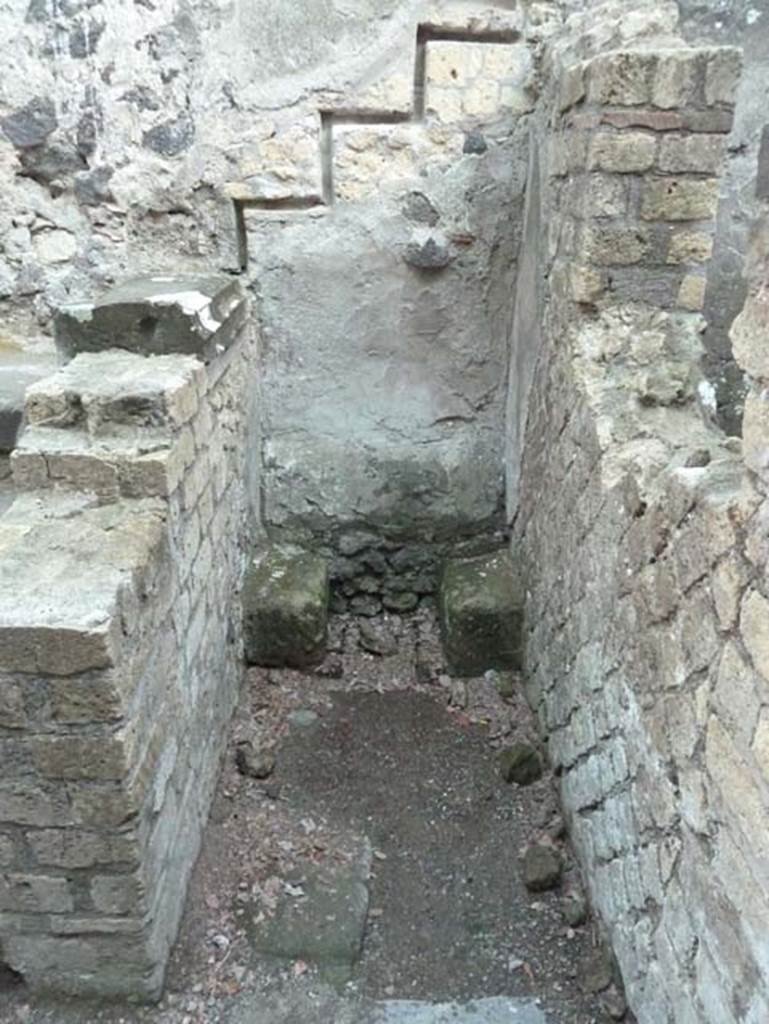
386,303
120,655
362,170
642,539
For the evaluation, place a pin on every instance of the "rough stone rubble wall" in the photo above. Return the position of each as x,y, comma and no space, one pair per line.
643,541
120,658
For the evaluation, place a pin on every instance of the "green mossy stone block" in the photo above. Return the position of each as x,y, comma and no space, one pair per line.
285,608
481,610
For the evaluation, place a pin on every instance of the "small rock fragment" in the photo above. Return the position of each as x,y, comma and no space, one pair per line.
366,604
614,1003
457,694
423,668
303,718
376,640
557,828
253,761
475,144
520,763
418,208
505,683
332,668
575,908
597,973
430,255
542,868
698,459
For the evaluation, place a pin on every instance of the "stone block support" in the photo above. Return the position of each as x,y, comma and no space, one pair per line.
285,607
481,611
120,651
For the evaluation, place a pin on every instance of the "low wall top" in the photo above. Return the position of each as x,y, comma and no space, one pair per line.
188,314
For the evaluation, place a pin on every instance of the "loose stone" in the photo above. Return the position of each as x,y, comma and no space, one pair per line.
520,763
542,868
375,639
254,761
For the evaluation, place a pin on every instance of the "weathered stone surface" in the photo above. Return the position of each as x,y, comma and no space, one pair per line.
679,199
702,154
195,315
623,152
622,79
285,607
481,614
762,181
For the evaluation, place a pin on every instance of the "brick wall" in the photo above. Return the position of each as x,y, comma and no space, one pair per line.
120,657
643,541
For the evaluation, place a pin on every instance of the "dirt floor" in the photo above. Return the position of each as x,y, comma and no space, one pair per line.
364,851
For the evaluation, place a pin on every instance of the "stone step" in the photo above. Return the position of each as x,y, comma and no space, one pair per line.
99,391
481,609
111,423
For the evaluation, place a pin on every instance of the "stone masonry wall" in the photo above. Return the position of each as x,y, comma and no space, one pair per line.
642,539
120,657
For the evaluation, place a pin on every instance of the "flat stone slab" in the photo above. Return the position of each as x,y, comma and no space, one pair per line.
481,1011
64,567
325,1007
321,917
285,607
481,611
198,315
